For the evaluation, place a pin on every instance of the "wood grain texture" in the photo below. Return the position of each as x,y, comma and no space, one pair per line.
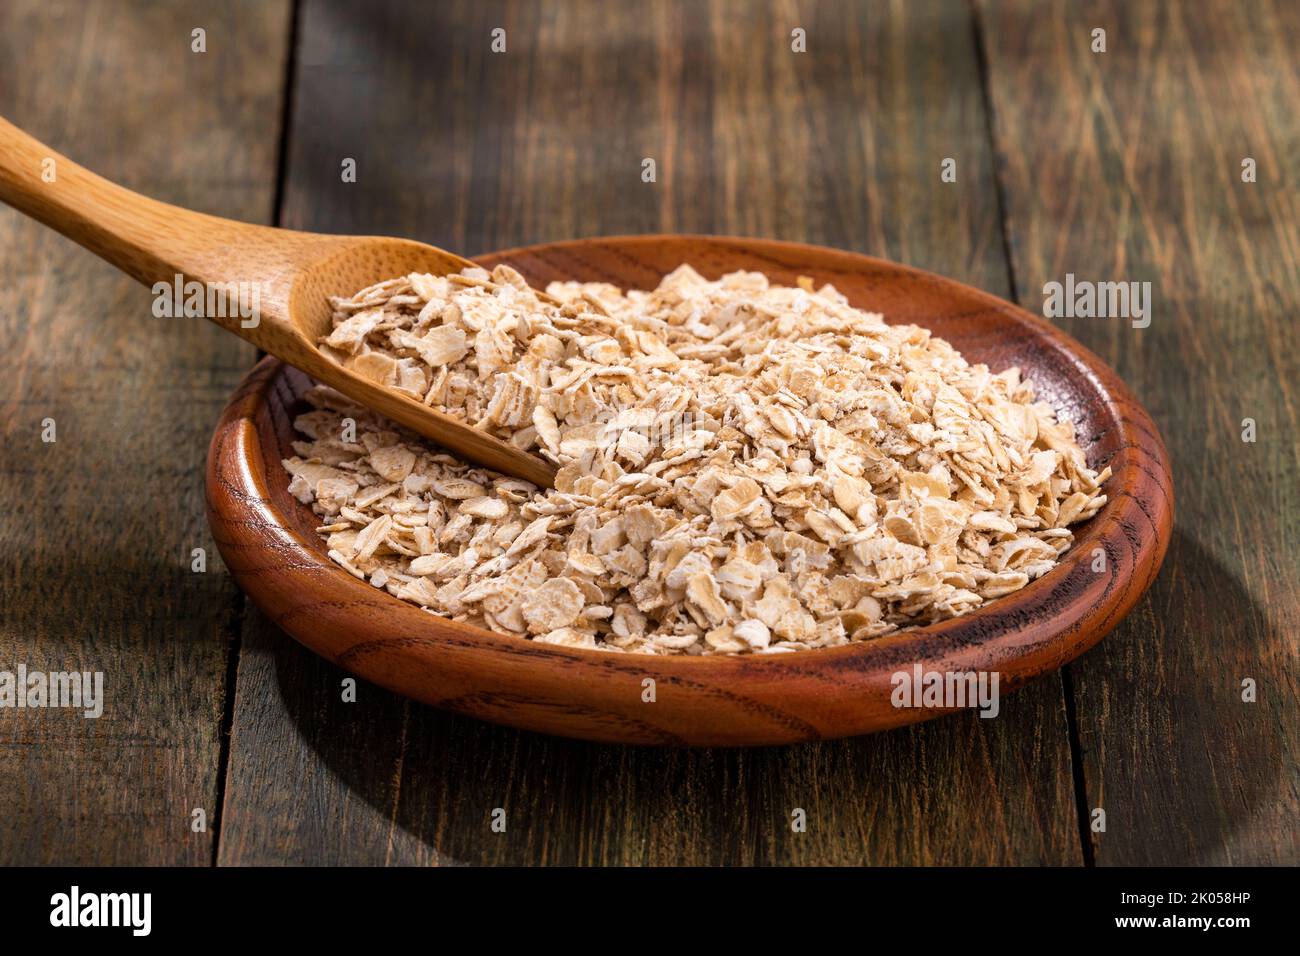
1127,166
839,146
98,528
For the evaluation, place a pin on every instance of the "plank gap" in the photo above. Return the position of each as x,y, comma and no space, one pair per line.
1013,293
241,606
1076,766
982,68
286,113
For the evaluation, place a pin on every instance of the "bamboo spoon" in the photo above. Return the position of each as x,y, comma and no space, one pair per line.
294,273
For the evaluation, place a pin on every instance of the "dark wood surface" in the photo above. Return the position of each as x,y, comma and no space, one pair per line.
1133,171
1123,165
98,526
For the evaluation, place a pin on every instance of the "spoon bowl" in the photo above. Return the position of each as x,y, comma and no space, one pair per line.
286,275
342,265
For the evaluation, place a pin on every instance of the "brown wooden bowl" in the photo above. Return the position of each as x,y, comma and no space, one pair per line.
267,540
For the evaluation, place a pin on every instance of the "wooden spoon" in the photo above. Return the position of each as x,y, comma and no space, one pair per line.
294,273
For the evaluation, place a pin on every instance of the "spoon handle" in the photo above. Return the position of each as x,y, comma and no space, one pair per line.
128,230
236,274
150,241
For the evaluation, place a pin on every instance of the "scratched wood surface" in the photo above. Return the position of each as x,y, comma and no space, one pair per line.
1126,165
840,146
1123,165
98,526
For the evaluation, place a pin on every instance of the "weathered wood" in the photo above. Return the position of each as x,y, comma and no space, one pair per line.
99,525
841,146
1126,166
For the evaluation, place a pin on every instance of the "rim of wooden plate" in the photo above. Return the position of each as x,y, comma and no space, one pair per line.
266,539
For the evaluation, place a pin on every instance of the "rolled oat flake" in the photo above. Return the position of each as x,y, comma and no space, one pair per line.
742,467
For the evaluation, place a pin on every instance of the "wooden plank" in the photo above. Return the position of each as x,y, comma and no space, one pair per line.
1126,166
473,150
95,543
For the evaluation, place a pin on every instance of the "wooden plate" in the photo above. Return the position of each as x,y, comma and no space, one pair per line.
267,540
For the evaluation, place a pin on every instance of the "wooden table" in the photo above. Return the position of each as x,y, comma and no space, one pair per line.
1117,166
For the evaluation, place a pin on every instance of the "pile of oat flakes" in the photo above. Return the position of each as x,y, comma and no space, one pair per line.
742,467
